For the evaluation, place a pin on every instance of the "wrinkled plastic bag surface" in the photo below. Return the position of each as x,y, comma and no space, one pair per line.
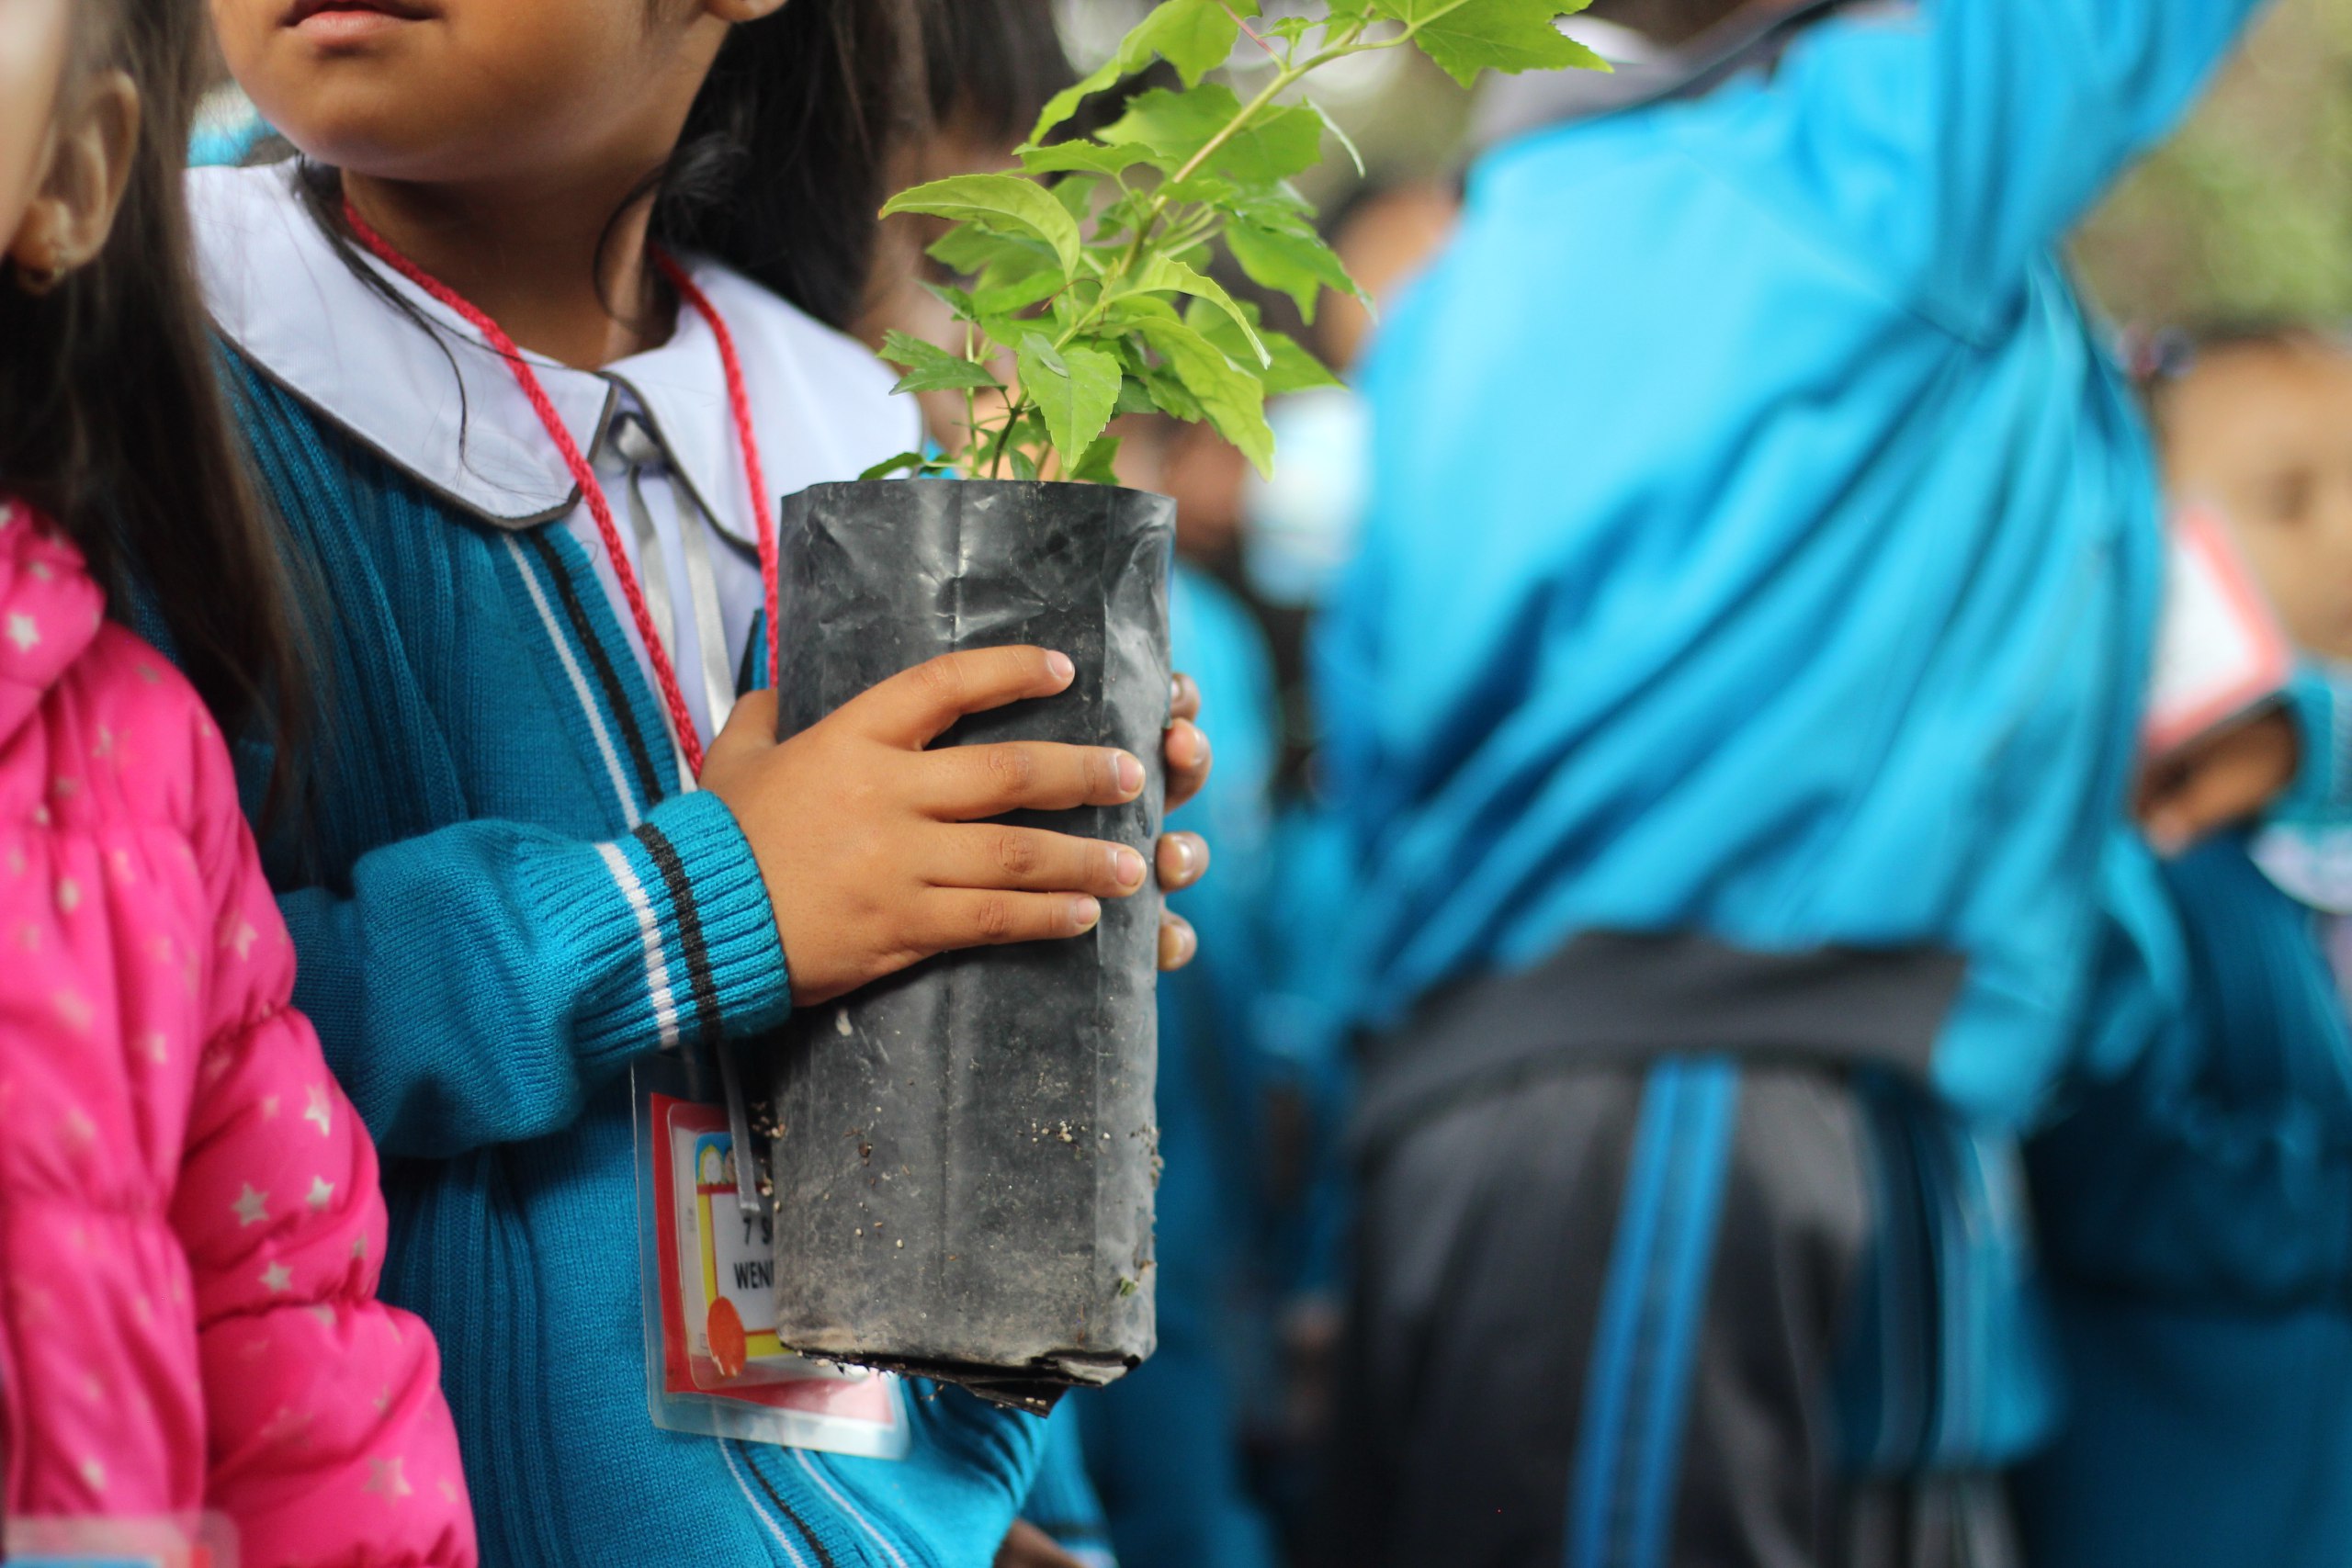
965,1153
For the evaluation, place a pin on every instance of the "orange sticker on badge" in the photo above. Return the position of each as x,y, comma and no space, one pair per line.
724,1330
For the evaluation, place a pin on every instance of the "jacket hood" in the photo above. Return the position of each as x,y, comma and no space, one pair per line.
49,610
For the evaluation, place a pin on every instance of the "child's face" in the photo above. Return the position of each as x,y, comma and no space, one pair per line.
33,39
2266,431
474,92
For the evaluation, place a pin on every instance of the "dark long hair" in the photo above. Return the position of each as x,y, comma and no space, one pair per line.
992,65
781,171
111,417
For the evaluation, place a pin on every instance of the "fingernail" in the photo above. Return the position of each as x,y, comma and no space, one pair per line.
1177,942
1175,691
1060,665
1126,867
1186,856
1085,913
1130,775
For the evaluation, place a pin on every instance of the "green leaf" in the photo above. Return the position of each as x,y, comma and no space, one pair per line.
1101,463
1355,153
1135,397
1289,367
1167,275
1195,36
1234,400
1023,466
1129,309
1167,391
1290,258
1006,204
1007,299
956,300
972,251
1082,158
905,462
1076,388
1282,142
1466,37
931,368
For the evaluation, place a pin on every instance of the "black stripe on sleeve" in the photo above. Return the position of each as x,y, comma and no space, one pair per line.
681,898
600,661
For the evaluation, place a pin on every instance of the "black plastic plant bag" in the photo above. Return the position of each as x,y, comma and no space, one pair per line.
965,1155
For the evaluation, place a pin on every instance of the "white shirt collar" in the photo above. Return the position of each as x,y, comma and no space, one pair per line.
282,294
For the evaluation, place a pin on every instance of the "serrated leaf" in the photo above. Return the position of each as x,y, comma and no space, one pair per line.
1232,399
931,368
1195,36
905,462
1167,275
1283,141
1002,203
1075,388
1290,259
1465,36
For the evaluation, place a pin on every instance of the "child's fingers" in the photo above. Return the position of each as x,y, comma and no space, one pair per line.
1031,860
1183,860
949,918
1185,747
1183,698
1179,943
2234,776
968,783
916,706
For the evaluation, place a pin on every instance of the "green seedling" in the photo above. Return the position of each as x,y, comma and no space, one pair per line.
1087,272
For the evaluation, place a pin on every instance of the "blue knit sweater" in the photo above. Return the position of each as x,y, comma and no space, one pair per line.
501,898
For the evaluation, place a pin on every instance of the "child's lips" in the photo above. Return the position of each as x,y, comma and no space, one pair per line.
346,22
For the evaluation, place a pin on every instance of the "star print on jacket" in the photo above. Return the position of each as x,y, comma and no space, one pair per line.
183,1261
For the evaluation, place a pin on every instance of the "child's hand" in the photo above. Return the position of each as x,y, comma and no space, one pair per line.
2227,779
1029,1547
876,852
1184,857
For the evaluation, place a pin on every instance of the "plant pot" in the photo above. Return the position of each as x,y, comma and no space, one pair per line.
965,1155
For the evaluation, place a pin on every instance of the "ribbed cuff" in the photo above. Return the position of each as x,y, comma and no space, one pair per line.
720,916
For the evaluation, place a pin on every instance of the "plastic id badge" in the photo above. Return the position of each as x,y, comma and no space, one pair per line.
713,1365
208,1542
2220,653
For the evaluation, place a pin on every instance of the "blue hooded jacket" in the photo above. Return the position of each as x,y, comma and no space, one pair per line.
2197,1217
1761,544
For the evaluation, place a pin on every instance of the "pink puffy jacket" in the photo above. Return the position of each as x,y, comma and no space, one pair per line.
190,1226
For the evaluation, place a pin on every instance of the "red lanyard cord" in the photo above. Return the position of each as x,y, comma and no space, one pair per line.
739,396
665,674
